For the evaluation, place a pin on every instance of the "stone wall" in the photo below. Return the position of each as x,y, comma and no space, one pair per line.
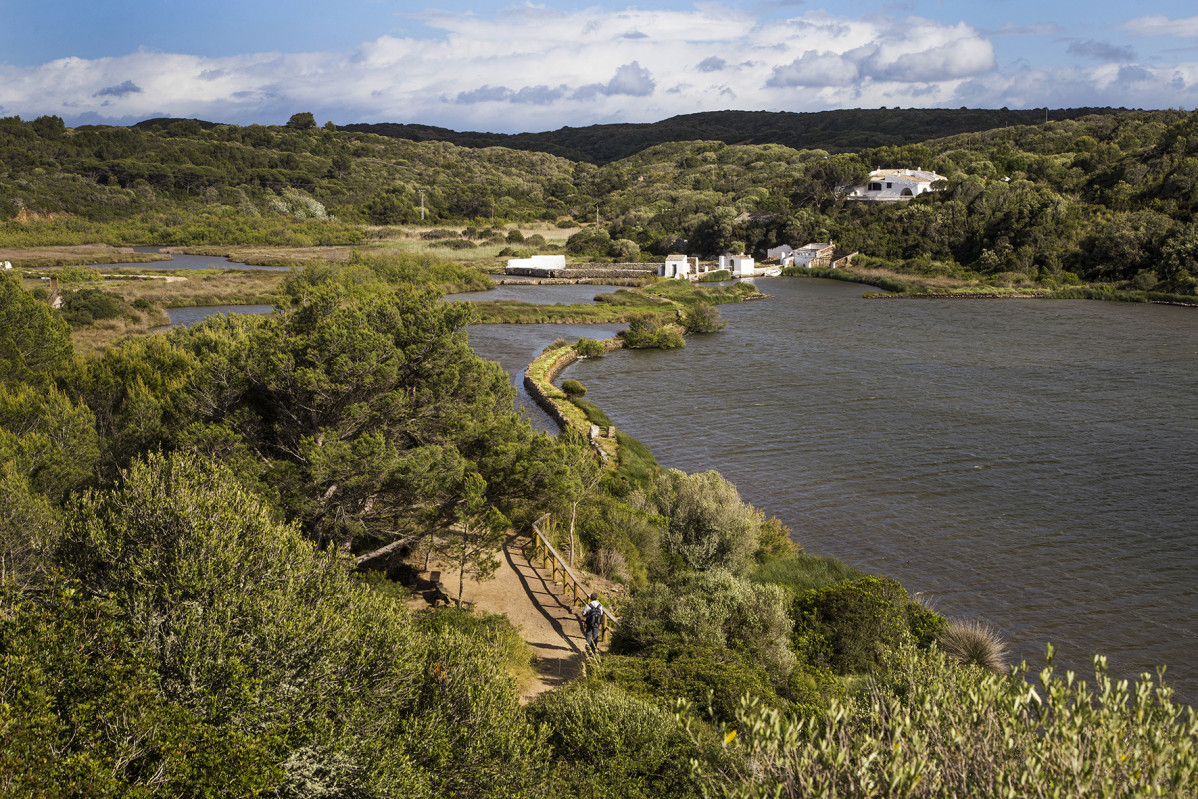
587,270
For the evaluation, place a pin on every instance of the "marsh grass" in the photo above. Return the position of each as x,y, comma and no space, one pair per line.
970,641
805,572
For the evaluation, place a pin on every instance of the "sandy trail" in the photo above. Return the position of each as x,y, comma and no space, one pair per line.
533,603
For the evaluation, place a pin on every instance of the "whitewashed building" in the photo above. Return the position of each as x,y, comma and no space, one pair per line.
814,254
537,265
676,266
739,265
890,185
783,252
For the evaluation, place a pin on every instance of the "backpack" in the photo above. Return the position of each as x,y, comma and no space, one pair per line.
593,616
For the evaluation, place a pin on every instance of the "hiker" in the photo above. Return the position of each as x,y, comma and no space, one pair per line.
592,622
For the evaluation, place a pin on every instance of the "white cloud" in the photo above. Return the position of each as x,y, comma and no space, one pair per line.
1163,26
534,68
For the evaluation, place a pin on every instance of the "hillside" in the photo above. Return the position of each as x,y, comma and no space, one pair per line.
1107,197
839,131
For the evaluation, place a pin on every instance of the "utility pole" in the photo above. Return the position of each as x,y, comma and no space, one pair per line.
422,205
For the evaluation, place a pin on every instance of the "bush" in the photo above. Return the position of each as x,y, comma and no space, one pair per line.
709,526
573,389
971,642
700,673
620,744
716,276
515,237
437,234
83,307
851,624
625,250
535,240
942,731
589,348
702,318
645,333
566,223
714,609
593,241
455,244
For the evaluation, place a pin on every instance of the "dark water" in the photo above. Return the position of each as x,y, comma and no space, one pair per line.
548,294
189,316
181,261
516,346
1030,463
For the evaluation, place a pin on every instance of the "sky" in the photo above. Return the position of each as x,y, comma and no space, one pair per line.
508,67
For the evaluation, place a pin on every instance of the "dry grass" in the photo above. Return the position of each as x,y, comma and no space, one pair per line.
973,642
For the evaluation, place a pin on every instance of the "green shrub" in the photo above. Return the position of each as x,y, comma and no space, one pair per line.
938,730
696,672
593,241
84,306
851,624
437,234
573,389
645,333
589,348
535,240
716,276
702,318
614,743
566,223
710,526
515,237
710,608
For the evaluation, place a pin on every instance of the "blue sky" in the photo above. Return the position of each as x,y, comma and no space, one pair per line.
510,67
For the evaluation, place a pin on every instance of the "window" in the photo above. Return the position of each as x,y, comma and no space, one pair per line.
889,185
875,187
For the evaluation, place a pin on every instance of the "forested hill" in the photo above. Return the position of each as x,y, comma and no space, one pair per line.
839,131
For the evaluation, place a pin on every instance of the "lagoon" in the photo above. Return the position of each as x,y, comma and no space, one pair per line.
1031,463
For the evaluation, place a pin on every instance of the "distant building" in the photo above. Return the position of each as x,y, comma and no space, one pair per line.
815,254
679,266
782,252
739,265
891,185
537,265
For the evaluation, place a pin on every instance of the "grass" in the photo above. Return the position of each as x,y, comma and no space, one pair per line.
970,641
594,414
805,572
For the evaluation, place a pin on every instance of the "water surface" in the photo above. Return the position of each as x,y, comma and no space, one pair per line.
1032,463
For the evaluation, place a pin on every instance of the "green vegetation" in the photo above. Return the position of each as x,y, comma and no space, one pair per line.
195,527
1095,203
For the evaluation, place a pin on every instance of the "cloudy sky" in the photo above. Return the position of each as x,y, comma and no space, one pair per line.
505,66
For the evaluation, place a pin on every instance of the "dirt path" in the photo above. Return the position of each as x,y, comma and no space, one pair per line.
535,605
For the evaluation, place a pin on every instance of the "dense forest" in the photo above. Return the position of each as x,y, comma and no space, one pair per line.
1107,198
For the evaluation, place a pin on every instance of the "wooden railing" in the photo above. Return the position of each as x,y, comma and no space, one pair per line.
557,565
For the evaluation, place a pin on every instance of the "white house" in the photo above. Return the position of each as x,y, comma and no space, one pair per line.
739,265
539,265
7,265
678,266
782,252
814,254
895,184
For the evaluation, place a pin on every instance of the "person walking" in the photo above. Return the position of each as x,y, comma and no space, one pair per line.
592,623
